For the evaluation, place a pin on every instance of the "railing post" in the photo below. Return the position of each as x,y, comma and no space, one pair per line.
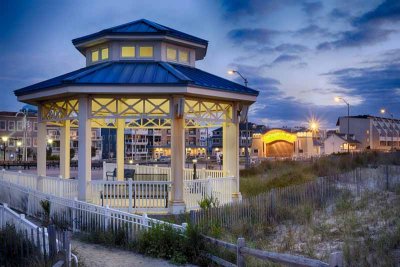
239,257
203,173
336,259
145,220
52,241
104,170
209,187
39,184
130,194
2,174
74,217
107,217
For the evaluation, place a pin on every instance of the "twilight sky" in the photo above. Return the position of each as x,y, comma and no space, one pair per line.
299,54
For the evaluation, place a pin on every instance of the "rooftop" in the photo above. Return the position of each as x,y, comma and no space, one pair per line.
140,27
144,73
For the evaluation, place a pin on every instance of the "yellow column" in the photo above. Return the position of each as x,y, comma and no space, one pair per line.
65,150
177,204
120,149
41,148
230,150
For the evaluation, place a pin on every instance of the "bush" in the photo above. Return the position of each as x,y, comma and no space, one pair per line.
163,241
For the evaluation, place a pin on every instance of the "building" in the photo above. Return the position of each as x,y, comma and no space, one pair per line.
15,135
151,144
18,137
338,142
376,133
245,138
283,143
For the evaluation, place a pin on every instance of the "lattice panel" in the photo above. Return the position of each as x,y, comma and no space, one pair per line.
149,123
143,108
60,110
205,113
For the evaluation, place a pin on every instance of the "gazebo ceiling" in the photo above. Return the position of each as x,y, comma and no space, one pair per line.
137,77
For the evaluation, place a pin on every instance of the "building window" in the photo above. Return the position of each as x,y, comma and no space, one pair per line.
104,53
28,142
19,126
183,56
171,54
11,125
11,142
3,126
146,51
95,56
128,51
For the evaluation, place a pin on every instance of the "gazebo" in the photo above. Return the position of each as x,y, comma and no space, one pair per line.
139,75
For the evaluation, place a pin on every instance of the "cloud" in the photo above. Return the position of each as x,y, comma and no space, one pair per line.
337,13
311,8
236,9
291,48
368,28
386,12
256,35
312,29
358,37
285,58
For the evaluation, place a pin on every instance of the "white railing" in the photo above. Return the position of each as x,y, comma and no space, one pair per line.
22,225
220,189
77,215
67,188
143,196
139,169
149,170
203,173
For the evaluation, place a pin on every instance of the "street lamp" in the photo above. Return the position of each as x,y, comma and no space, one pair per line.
194,169
313,125
247,165
338,99
19,144
383,111
4,139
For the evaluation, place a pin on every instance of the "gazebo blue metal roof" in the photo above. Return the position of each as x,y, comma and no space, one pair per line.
141,27
143,73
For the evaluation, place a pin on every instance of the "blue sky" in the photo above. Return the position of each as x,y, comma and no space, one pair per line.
299,54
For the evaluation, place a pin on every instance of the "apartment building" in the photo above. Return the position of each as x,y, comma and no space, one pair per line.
372,132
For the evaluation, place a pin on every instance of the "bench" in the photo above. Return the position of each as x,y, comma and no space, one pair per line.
128,173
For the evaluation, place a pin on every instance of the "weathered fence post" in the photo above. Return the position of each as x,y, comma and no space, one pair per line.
51,230
336,259
192,216
67,248
130,195
239,257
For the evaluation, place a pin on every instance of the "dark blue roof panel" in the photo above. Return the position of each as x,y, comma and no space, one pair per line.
139,73
141,27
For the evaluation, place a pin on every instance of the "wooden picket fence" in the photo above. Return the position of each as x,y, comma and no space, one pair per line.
275,204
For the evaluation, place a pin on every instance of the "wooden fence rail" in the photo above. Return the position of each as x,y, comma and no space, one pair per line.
336,258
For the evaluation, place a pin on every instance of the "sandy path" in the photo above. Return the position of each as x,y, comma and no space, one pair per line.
100,256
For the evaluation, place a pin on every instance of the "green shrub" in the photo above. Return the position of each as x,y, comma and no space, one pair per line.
163,241
208,202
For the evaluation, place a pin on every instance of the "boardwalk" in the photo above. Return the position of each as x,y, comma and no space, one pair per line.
100,256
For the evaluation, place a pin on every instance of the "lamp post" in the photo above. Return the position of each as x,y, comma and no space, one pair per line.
194,169
338,99
383,111
4,139
247,163
19,144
